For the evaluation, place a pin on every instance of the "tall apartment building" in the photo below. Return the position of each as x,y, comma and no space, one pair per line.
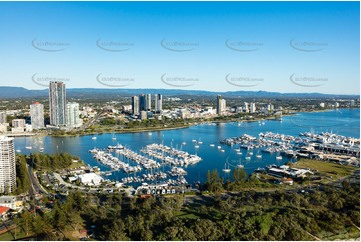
252,108
135,105
2,117
142,102
148,100
72,115
37,115
221,105
158,102
352,103
245,107
57,103
7,165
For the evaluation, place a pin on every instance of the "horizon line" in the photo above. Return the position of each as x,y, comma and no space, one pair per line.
175,89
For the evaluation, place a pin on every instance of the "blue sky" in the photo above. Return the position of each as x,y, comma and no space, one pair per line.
270,46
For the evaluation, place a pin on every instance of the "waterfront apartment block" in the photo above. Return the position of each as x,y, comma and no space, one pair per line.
221,105
158,102
72,115
18,123
37,115
7,165
135,105
57,103
252,108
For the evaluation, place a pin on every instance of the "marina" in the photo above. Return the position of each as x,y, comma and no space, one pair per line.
119,157
170,155
278,137
324,146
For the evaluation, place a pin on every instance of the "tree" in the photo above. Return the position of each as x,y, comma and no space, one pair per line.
25,221
239,175
59,218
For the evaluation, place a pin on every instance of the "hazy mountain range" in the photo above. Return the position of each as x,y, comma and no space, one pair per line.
20,92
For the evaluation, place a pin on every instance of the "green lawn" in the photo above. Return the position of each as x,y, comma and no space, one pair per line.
8,237
76,165
326,168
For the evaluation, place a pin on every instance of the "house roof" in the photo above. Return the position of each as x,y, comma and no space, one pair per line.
3,209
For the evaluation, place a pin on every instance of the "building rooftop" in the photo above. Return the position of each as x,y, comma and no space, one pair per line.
3,209
5,138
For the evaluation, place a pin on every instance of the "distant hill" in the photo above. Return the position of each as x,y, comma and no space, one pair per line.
20,92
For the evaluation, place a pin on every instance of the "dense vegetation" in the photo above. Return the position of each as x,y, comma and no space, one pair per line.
22,179
326,213
41,161
239,181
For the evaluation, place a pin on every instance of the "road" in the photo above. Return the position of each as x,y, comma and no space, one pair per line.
91,121
35,187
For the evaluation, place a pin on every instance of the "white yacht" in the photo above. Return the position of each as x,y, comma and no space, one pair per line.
226,169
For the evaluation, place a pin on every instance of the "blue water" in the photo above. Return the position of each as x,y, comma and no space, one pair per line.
343,122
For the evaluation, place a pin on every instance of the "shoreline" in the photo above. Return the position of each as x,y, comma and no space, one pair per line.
161,129
121,132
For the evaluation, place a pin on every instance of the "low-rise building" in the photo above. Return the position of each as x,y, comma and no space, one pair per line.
10,202
18,123
17,130
3,128
4,212
90,179
288,181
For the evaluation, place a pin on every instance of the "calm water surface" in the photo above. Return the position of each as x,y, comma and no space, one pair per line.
344,122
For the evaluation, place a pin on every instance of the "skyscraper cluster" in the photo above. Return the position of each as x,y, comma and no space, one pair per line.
143,102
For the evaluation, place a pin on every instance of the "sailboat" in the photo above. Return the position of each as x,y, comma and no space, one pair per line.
225,169
248,156
259,156
240,165
114,138
278,157
200,142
